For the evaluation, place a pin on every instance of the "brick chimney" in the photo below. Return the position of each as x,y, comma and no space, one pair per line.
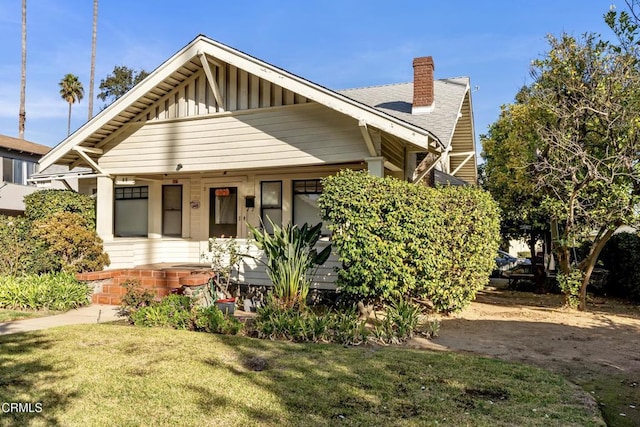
422,85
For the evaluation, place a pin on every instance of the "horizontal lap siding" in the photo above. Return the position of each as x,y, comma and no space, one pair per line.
295,135
129,253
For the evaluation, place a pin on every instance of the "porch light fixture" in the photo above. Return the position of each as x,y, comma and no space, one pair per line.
179,166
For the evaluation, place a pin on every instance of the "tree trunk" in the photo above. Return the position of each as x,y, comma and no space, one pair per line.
589,263
539,275
69,121
22,115
93,57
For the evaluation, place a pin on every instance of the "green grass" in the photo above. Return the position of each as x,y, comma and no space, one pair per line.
95,375
9,315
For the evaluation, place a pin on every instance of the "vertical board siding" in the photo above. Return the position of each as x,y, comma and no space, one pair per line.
239,89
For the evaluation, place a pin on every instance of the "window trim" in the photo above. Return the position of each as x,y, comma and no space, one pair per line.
272,207
164,234
294,193
143,195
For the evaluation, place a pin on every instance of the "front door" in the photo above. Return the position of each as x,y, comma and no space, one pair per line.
223,212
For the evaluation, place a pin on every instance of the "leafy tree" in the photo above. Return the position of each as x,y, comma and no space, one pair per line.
583,110
119,82
509,151
71,90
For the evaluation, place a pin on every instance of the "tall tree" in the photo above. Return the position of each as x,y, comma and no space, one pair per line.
93,58
586,165
22,115
509,151
577,128
119,82
71,90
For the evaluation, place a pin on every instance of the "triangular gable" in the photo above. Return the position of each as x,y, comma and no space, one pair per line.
208,60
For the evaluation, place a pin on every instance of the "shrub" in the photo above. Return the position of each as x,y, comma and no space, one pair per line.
396,239
71,242
134,299
173,311
291,258
14,245
41,205
211,319
621,256
400,323
275,321
55,291
177,312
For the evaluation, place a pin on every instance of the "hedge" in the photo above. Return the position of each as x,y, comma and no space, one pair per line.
399,239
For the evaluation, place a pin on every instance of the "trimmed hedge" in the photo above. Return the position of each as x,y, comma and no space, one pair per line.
399,239
57,233
45,203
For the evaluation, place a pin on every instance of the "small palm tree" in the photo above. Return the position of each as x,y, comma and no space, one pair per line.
71,90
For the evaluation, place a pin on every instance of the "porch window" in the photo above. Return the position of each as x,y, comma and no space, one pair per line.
131,211
172,210
271,204
305,203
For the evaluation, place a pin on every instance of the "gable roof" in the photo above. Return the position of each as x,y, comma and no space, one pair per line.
396,100
184,64
21,145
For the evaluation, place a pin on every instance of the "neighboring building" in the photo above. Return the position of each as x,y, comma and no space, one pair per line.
18,162
214,139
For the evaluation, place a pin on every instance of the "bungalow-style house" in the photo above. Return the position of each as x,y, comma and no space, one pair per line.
18,160
214,139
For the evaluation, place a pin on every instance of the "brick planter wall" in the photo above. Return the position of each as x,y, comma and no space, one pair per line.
108,289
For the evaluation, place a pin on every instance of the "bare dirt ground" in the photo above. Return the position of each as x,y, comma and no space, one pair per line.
598,349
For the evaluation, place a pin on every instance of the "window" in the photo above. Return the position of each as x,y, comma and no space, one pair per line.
271,204
131,211
305,203
7,170
17,171
172,210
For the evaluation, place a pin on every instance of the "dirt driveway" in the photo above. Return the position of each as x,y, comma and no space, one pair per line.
598,350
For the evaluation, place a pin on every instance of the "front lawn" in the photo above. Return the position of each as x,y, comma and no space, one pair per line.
92,375
9,315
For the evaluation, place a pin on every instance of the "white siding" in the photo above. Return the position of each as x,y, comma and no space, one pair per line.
129,253
306,134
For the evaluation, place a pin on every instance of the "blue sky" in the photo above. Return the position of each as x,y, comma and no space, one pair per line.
338,44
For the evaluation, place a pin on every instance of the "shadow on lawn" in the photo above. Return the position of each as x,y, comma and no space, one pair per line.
321,384
30,382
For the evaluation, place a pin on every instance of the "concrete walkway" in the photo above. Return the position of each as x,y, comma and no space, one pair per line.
95,313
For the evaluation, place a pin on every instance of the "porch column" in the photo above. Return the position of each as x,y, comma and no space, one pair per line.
375,166
155,210
104,208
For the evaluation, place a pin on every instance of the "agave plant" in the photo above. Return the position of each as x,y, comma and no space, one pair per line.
291,260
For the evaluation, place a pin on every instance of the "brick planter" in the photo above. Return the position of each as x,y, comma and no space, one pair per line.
108,285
